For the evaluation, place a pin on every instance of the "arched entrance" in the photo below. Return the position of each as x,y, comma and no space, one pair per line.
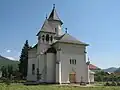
72,77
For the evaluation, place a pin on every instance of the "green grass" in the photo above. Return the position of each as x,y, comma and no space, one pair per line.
53,87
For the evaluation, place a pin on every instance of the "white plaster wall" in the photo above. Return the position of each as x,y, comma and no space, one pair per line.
72,48
91,77
75,52
31,60
58,66
56,24
57,74
41,66
51,68
41,58
42,47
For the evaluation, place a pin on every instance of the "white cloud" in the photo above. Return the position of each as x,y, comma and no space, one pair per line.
11,58
8,50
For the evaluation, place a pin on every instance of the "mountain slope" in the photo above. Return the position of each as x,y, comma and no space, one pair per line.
5,62
117,70
111,69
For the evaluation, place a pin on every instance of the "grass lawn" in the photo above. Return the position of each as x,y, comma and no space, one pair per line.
53,87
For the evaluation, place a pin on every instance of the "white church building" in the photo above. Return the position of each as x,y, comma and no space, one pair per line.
57,57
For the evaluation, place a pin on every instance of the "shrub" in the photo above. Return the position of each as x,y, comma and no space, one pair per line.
107,84
118,84
113,84
6,81
15,81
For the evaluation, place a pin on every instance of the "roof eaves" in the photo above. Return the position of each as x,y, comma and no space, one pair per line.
73,43
69,43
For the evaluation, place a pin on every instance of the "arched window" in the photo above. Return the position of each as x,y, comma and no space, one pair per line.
43,38
55,29
51,38
70,61
47,37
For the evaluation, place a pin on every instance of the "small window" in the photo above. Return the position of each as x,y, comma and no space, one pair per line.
70,61
47,37
43,37
55,29
33,69
73,61
51,38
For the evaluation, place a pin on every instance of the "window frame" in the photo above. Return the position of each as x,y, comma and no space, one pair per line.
43,38
73,61
33,69
47,37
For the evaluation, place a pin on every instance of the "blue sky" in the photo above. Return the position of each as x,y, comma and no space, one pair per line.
96,22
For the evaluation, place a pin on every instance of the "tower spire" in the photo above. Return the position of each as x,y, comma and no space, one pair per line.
53,15
53,6
46,16
65,30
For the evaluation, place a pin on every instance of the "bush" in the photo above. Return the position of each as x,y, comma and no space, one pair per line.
16,81
118,84
107,84
6,81
113,84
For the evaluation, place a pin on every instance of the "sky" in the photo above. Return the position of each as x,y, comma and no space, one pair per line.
96,22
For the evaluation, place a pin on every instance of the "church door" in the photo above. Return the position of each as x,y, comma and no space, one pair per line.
72,77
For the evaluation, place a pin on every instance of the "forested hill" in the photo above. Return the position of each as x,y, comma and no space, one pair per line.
5,62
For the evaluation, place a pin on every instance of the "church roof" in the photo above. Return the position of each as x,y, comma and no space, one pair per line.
46,28
67,38
54,15
93,67
35,46
32,47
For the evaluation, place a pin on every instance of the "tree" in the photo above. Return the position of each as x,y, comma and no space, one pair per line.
23,65
4,71
10,71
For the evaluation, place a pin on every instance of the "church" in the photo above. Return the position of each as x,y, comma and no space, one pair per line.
58,57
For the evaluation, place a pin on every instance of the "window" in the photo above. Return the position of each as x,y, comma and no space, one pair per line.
47,37
43,37
73,61
33,69
70,61
51,38
55,29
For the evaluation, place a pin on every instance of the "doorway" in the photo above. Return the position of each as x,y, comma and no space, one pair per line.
72,77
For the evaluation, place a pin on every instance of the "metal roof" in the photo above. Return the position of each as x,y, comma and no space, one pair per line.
67,38
54,16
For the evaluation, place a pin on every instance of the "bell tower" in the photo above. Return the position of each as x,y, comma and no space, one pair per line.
55,21
52,27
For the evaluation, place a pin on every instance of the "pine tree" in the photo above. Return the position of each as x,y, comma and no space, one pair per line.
23,65
4,71
10,71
